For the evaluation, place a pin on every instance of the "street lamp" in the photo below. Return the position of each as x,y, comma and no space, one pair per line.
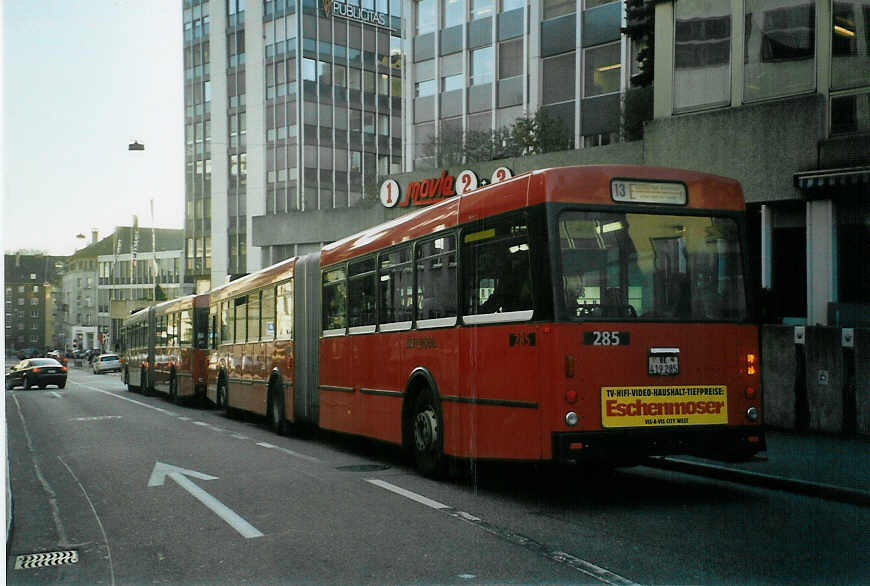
138,146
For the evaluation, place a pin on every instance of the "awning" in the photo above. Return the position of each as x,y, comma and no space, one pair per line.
847,177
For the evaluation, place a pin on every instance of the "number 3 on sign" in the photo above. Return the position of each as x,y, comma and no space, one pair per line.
466,182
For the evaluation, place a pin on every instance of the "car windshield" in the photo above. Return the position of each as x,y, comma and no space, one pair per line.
650,267
108,358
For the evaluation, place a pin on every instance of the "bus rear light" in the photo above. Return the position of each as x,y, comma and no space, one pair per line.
751,367
569,366
750,393
753,439
571,418
571,397
575,446
752,414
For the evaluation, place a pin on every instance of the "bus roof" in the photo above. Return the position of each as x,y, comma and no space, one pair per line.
586,184
271,274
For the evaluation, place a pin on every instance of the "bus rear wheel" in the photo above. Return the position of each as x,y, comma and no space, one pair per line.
428,428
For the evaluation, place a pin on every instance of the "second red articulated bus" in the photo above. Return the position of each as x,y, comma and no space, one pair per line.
567,314
164,348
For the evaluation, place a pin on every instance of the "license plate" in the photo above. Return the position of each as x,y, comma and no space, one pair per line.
51,371
663,362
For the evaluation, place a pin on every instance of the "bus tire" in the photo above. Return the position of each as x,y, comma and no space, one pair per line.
173,389
276,409
428,434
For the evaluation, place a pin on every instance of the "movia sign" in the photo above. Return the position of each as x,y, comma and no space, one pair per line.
357,13
435,189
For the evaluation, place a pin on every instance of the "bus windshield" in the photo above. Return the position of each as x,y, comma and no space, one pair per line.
632,266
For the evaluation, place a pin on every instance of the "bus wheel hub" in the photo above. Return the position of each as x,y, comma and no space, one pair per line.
425,430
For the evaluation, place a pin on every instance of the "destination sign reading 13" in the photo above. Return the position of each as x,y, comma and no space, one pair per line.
357,13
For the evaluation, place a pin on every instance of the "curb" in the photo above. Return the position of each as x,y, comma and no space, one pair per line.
814,489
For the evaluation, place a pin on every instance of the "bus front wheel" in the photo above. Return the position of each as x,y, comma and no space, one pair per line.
428,435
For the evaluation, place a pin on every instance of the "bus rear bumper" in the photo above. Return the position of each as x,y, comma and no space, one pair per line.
631,446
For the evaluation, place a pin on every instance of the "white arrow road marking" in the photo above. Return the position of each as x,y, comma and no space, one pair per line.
180,476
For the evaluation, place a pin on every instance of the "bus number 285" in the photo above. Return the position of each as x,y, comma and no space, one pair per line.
605,338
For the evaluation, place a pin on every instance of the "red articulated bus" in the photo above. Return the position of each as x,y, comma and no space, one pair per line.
164,348
251,357
579,313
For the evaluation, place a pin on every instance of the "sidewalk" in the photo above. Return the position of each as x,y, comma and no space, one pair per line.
832,467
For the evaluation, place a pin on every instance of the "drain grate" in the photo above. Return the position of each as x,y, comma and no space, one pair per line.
44,560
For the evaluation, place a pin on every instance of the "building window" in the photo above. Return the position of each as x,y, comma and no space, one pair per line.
452,82
481,66
780,48
850,44
510,58
850,113
424,88
554,8
453,13
702,55
558,79
480,8
602,70
425,16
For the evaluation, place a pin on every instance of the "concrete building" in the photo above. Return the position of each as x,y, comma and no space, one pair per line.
113,276
31,284
290,107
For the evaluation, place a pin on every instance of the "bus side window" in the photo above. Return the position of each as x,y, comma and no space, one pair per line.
495,267
436,278
283,311
395,281
334,300
267,331
361,293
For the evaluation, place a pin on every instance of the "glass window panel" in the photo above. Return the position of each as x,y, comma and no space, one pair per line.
425,16
510,58
395,281
850,44
702,54
334,300
481,66
602,70
558,78
780,48
284,310
453,13
436,278
554,8
267,310
496,269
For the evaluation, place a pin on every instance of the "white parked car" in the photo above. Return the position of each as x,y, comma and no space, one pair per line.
107,363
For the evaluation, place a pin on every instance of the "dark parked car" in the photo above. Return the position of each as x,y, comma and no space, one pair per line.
36,372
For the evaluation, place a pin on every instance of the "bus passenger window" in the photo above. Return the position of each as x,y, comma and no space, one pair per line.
495,267
267,330
253,317
226,324
240,325
185,329
285,311
334,300
395,282
361,293
436,278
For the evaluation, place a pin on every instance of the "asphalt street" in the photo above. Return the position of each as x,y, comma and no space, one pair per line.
131,489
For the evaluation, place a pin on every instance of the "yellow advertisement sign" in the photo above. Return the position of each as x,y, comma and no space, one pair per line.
664,406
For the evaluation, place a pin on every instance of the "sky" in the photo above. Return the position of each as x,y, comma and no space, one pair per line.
81,80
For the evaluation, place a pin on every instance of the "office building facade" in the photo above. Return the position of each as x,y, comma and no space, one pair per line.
290,108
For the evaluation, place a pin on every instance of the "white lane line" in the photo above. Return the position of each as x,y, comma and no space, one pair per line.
140,403
408,494
582,566
288,452
99,522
